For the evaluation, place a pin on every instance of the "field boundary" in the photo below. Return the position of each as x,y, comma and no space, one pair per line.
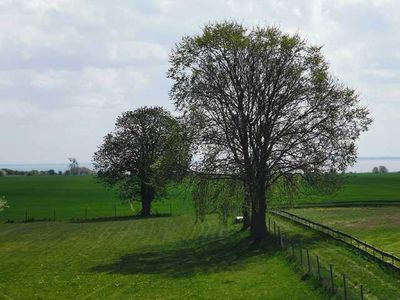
384,258
340,204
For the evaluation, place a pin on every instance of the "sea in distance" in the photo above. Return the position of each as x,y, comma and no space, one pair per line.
363,165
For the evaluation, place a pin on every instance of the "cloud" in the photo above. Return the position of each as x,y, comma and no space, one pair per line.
69,67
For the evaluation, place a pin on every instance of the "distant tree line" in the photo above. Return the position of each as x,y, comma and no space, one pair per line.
380,170
74,169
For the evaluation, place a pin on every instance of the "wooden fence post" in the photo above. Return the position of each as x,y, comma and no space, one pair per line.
319,269
332,280
344,287
308,261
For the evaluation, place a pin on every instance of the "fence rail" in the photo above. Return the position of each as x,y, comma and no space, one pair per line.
339,204
381,256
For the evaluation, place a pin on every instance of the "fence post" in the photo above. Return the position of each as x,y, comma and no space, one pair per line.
332,280
292,250
344,287
301,256
308,261
319,269
361,292
274,228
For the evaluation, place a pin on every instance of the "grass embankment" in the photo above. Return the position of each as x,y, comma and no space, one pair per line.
70,196
378,226
378,282
154,258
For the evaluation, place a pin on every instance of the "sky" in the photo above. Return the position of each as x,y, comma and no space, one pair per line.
68,68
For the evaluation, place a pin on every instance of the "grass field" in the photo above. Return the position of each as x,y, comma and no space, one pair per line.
364,187
378,226
70,196
155,258
379,283
172,257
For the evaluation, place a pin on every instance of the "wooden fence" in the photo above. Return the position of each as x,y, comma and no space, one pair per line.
335,283
384,258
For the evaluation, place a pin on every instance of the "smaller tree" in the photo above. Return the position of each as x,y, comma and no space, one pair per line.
147,149
73,166
375,170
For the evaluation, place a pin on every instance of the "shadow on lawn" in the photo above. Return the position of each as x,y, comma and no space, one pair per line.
202,255
120,218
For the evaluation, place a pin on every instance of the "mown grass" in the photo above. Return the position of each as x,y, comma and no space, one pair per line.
154,258
378,226
378,282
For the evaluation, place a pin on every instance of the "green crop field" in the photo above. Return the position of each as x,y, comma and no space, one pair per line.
378,226
364,187
154,258
70,197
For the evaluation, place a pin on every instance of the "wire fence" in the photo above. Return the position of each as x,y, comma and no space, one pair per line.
382,257
311,265
75,214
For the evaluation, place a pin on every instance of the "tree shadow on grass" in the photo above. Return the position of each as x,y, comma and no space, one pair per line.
120,218
201,255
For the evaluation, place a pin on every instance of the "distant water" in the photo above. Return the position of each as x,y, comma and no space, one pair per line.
366,164
43,167
363,165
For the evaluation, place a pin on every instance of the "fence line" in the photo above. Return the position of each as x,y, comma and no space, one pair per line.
339,204
386,259
335,283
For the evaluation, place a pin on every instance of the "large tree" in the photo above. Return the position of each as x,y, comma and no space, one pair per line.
265,106
147,149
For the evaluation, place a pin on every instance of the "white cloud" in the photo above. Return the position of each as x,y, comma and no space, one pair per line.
69,67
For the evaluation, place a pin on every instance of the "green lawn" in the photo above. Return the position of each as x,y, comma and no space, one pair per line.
154,258
378,226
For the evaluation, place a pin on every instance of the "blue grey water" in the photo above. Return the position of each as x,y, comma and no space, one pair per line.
363,165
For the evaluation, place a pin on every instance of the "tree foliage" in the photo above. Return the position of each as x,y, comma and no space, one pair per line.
147,149
264,107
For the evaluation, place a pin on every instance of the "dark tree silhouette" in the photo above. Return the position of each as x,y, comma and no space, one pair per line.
264,106
144,152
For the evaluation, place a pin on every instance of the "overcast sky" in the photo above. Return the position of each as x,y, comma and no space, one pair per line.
69,68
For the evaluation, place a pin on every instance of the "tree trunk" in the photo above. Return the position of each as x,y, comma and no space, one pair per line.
246,210
147,196
258,225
